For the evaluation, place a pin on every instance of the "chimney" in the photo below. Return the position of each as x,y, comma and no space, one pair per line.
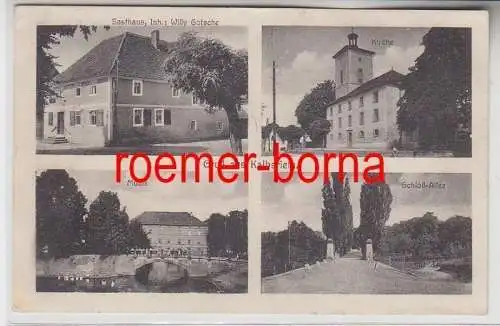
155,38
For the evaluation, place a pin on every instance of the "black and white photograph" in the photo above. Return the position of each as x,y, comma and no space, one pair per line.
96,235
402,92
411,234
107,89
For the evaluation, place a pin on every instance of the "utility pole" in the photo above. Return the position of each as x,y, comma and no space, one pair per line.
114,115
274,101
289,246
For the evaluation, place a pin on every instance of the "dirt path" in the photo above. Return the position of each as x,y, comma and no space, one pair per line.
351,275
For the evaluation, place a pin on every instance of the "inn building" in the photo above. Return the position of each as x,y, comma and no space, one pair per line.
365,110
175,232
119,92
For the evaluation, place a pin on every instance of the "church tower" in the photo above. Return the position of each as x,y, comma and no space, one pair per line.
353,66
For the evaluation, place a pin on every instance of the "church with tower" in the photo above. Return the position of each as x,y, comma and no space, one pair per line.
364,113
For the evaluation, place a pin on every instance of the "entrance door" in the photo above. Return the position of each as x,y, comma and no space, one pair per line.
60,123
349,138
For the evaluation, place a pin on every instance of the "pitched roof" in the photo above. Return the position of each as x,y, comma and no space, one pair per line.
168,219
354,48
136,58
391,77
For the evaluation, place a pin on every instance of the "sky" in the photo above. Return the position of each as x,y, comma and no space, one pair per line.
71,49
303,202
201,199
303,58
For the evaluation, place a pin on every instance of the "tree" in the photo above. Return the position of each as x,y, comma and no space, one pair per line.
228,233
138,239
375,204
336,215
421,237
107,225
216,237
47,37
267,129
455,235
214,73
312,108
60,211
318,130
291,134
437,91
306,247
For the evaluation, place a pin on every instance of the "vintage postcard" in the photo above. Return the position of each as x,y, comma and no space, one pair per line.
409,235
108,89
94,235
361,89
110,103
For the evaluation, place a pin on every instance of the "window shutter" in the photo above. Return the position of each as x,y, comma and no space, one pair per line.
100,118
167,117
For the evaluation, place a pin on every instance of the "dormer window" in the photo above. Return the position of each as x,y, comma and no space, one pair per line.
93,90
175,92
137,88
78,91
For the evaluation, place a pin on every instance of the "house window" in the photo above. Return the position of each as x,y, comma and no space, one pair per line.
193,125
96,118
167,117
219,125
138,117
349,105
375,97
175,92
93,90
189,242
340,108
361,118
331,124
137,88
361,102
349,121
341,76
376,117
340,122
359,59
93,118
339,136
75,118
159,117
361,134
51,118
78,91
331,110
375,133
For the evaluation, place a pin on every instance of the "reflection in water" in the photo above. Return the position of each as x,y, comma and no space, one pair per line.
155,277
